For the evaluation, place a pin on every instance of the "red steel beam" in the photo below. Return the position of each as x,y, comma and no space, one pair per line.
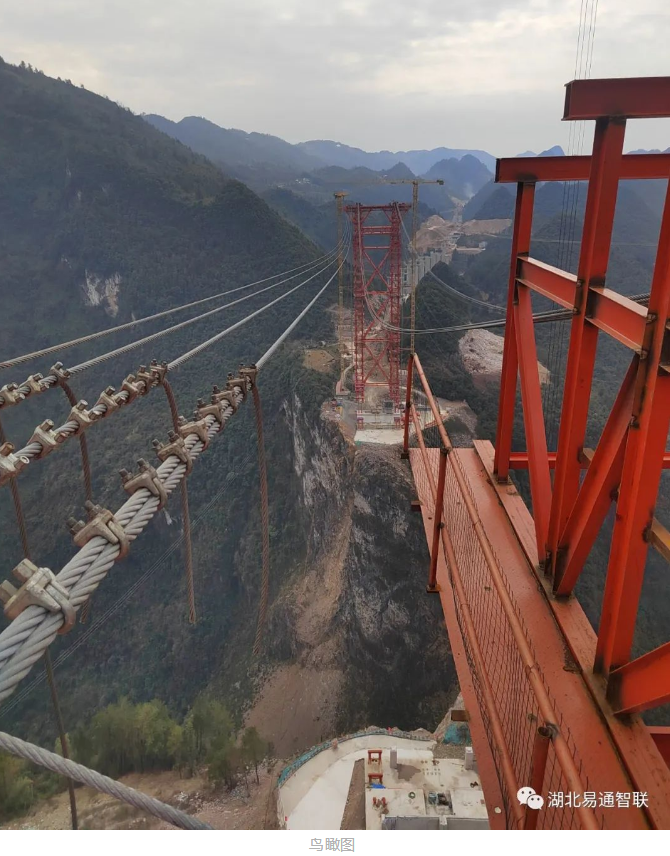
594,254
661,736
596,493
523,220
519,461
556,284
613,313
577,168
641,474
617,315
531,398
621,97
641,684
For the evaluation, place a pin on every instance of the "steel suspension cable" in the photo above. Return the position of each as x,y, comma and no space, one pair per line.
271,350
92,779
62,346
36,384
34,449
206,344
62,734
129,592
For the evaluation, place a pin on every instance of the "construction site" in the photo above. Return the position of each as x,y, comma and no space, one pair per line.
561,723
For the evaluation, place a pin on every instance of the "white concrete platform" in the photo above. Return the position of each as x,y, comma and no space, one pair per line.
419,785
315,795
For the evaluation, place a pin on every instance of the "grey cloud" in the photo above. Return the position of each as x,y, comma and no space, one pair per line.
374,73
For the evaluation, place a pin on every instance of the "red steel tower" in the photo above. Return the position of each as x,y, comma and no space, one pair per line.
377,267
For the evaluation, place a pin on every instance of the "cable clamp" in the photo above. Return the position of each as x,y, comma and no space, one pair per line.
10,464
228,395
34,592
147,377
10,395
83,417
158,370
133,389
146,478
33,384
47,438
60,372
204,410
107,399
101,523
250,373
241,382
175,447
197,427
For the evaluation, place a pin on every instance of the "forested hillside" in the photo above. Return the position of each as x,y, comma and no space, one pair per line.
102,219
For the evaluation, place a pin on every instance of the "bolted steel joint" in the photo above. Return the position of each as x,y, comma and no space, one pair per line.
204,410
199,428
83,417
250,373
10,395
158,370
108,400
60,372
132,388
33,384
10,464
175,447
101,523
147,478
46,437
241,382
218,397
40,588
147,377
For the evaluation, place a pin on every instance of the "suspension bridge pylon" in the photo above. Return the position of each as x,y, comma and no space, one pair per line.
376,287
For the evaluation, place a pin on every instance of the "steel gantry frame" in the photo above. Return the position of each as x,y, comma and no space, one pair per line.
631,453
527,656
377,282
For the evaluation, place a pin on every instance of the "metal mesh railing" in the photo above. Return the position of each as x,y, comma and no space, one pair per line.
511,692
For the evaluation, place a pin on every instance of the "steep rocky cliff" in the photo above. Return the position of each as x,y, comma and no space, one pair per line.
353,637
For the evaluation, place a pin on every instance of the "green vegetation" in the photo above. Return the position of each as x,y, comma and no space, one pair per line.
127,738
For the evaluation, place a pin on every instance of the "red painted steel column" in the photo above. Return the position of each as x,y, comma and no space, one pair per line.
531,397
408,403
437,522
593,259
523,219
643,463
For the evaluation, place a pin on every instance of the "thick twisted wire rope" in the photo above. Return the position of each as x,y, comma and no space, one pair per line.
93,779
24,358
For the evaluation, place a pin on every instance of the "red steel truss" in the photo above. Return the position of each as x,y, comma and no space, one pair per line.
377,276
550,700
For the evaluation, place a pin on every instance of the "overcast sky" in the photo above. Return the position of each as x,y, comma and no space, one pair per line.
392,74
